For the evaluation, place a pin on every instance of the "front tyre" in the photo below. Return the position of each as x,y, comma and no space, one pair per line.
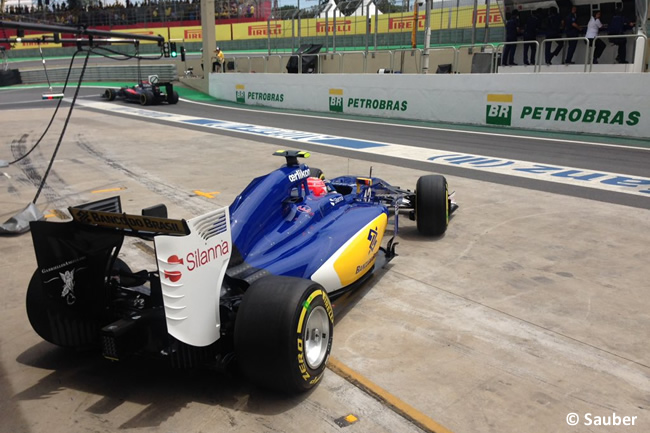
432,205
283,333
110,94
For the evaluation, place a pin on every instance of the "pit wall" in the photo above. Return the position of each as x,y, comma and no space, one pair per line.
598,103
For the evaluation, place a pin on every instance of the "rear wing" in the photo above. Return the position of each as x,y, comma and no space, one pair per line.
108,214
192,257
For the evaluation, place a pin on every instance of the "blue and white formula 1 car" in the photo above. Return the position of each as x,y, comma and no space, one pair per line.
253,282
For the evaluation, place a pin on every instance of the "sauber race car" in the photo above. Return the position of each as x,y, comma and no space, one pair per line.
252,283
145,93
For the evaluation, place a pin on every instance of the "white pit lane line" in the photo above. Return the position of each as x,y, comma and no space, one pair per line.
606,181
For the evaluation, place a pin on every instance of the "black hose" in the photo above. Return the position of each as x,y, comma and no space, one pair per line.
65,125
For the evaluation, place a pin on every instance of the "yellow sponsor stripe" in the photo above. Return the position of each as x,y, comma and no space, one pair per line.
336,92
396,404
304,310
240,87
495,97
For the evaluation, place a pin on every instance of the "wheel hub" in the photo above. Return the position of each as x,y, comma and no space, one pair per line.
316,337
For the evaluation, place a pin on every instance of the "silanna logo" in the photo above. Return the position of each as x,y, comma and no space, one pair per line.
173,276
194,260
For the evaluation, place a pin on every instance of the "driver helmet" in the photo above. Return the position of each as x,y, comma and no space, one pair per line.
316,186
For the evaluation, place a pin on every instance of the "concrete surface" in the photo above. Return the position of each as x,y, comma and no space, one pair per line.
531,307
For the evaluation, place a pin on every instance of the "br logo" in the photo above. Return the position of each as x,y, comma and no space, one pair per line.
336,100
240,93
498,110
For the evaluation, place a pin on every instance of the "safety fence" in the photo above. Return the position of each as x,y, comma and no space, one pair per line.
127,73
474,58
584,53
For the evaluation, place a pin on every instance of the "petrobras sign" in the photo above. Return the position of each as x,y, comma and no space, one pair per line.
244,96
339,103
503,110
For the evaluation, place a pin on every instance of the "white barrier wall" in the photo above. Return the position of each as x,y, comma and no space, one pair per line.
596,103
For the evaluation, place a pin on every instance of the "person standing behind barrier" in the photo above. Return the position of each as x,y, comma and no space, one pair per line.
592,31
530,34
218,63
572,30
618,26
553,31
512,31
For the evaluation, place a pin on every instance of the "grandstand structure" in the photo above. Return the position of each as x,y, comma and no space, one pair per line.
267,25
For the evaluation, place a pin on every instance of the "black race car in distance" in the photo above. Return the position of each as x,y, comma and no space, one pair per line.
150,92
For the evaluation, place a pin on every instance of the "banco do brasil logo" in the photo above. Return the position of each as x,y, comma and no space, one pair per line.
498,110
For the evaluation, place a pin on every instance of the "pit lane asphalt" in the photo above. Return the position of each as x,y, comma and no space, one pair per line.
532,306
594,154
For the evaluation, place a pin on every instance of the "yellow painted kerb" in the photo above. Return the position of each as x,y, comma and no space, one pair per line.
97,191
399,406
496,97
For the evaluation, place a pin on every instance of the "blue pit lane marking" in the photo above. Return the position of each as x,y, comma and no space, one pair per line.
206,122
617,182
302,136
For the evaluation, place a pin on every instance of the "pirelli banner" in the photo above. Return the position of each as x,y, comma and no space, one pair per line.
34,45
441,19
451,18
195,33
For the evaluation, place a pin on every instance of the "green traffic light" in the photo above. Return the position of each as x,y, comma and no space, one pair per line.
174,54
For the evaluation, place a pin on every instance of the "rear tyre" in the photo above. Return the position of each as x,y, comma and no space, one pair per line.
110,94
146,98
283,333
57,323
316,172
432,205
172,98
